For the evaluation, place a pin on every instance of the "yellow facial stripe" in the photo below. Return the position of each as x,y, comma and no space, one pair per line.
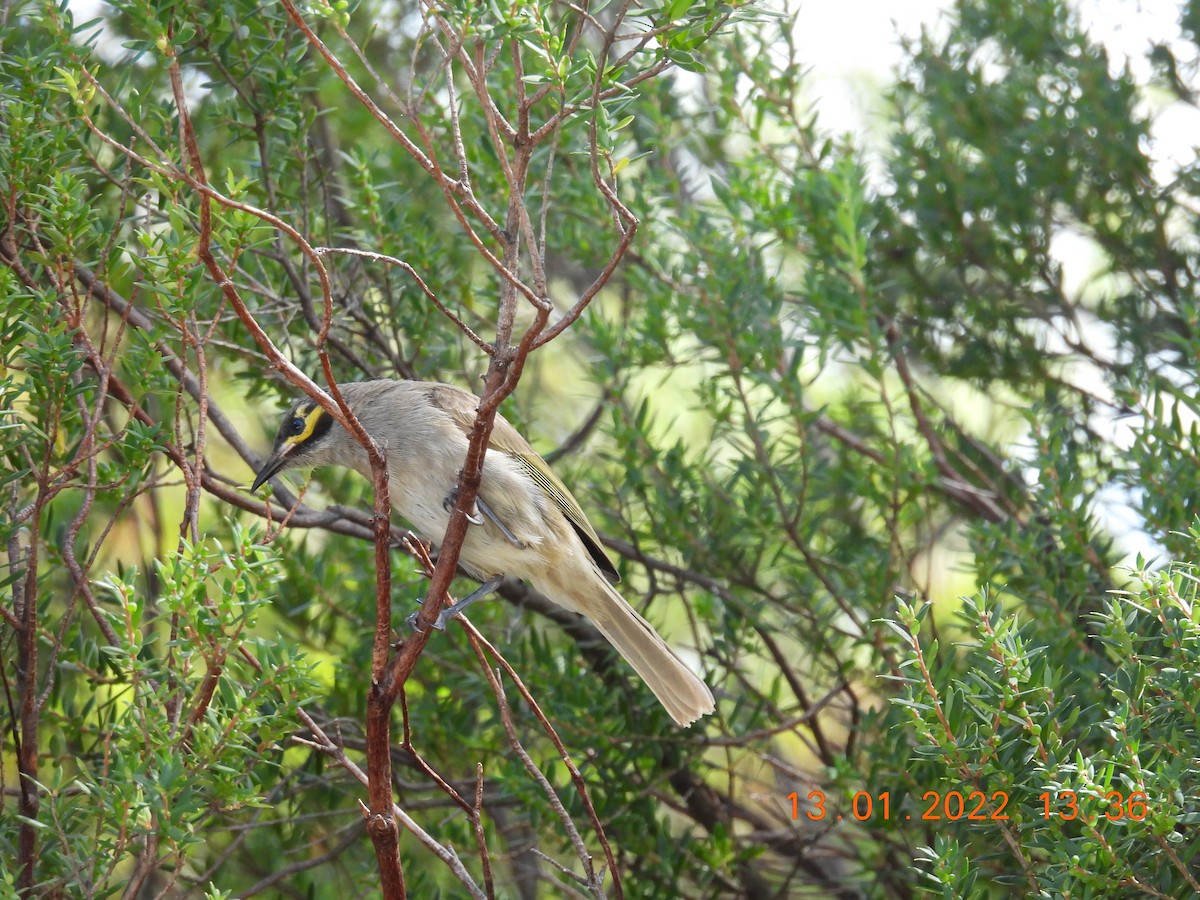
311,417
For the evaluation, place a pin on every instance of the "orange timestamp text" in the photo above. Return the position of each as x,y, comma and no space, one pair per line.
969,806
1065,805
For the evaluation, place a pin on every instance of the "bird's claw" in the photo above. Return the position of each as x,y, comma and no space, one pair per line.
457,609
473,515
439,624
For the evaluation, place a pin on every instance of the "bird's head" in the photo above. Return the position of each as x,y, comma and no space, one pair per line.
305,437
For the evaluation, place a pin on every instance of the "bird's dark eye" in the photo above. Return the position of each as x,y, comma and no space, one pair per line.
296,426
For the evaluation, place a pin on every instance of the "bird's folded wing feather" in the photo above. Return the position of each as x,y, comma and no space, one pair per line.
462,406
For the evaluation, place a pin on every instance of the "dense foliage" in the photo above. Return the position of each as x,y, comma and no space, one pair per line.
860,446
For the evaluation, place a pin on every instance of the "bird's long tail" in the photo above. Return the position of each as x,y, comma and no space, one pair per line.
677,688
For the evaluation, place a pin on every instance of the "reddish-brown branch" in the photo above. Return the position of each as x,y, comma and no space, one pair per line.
25,606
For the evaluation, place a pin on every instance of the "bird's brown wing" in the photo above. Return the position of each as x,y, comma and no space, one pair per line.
462,406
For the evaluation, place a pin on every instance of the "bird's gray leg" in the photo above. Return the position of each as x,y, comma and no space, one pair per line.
451,611
495,520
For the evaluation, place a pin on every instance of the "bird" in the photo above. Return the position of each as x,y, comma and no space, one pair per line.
524,523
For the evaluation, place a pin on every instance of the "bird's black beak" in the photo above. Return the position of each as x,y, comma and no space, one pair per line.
274,464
